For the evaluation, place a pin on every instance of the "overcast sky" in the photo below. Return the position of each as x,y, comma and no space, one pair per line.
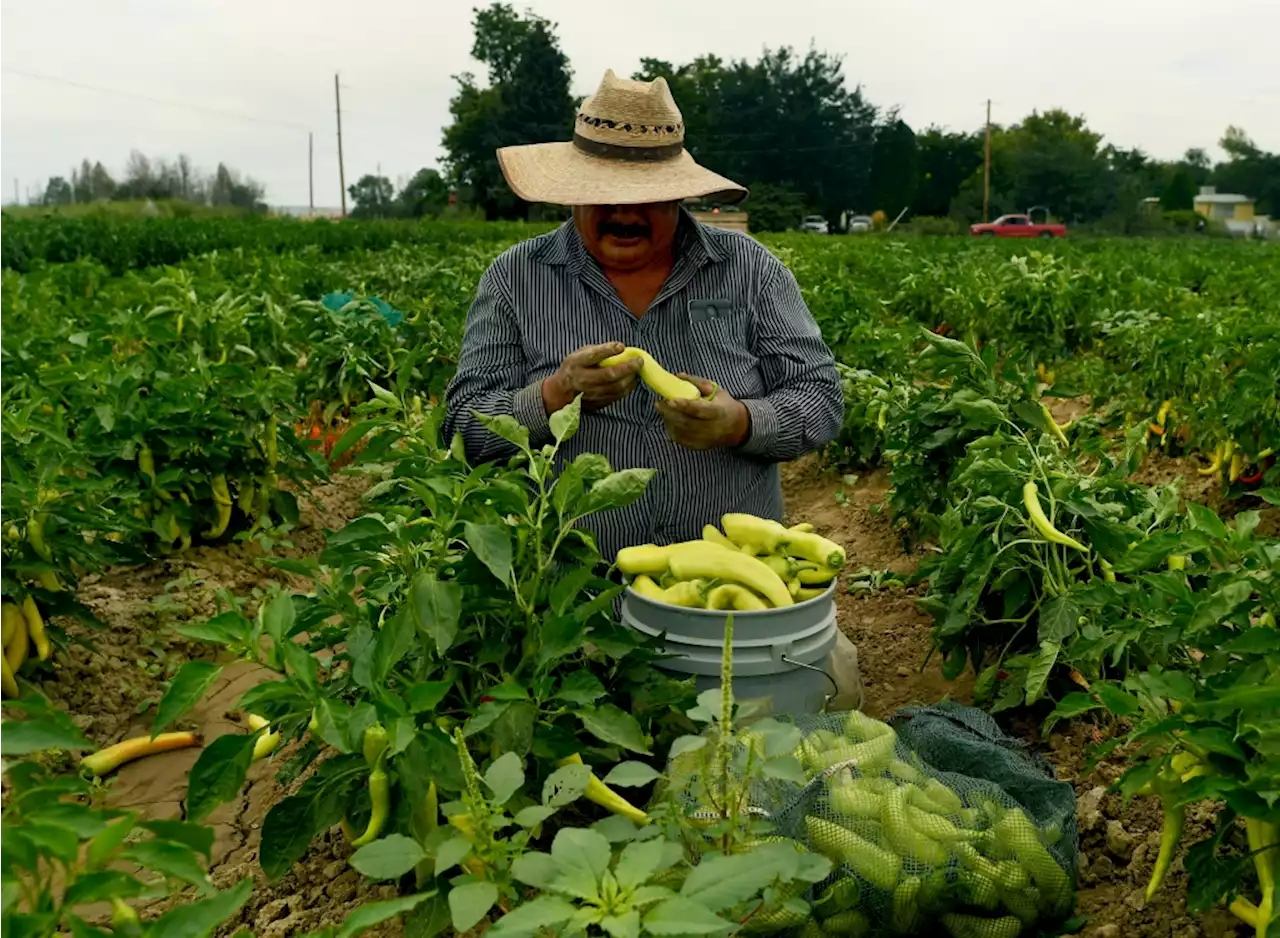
1163,75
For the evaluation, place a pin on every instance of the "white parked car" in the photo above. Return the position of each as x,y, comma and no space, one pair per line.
814,223
859,224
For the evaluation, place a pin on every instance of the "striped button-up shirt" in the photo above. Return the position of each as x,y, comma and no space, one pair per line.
729,312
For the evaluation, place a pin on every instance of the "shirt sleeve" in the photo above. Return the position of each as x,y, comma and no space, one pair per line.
491,376
803,408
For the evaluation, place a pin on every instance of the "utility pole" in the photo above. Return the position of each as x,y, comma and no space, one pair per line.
15,190
342,173
311,173
986,170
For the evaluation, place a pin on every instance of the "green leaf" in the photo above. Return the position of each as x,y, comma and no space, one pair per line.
616,490
471,902
389,857
450,853
103,885
1072,705
626,925
505,777
1204,519
1038,672
1225,600
198,837
683,917
374,913
23,737
351,436
219,773
1058,619
564,422
174,860
532,918
784,769
60,841
582,857
513,729
402,732
565,784
533,815
436,607
640,860
104,845
227,628
686,744
277,616
199,919
508,428
719,882
184,692
631,774
535,869
300,664
1149,553
492,544
84,820
425,696
1119,702
614,725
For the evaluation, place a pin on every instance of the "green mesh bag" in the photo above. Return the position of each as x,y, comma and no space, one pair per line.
937,824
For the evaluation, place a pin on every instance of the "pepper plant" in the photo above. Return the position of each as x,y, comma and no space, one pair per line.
470,598
1203,716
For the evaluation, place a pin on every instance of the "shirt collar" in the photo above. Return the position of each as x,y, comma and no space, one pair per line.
692,244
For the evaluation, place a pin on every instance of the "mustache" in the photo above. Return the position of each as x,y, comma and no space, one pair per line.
622,230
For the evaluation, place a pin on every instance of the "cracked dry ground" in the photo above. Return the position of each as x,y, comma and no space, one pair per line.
111,690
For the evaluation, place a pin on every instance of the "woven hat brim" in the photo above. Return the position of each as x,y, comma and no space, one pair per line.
561,174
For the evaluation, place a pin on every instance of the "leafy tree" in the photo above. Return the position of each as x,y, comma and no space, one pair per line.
895,167
373,197
527,100
786,120
945,161
1052,159
58,192
773,208
92,182
1249,171
228,188
425,194
1180,192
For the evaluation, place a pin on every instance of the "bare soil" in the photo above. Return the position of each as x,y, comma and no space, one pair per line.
109,680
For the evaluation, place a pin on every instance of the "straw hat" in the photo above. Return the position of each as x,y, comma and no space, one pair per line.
628,148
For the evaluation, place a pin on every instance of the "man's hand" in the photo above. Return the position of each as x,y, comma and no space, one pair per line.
706,424
580,373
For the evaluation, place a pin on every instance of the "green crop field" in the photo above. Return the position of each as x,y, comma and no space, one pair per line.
230,520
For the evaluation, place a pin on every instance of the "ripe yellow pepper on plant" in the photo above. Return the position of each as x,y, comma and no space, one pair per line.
1031,501
599,793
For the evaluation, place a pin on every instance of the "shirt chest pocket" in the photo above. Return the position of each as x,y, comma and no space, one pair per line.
721,349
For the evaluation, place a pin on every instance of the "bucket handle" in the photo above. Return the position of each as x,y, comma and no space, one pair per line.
835,688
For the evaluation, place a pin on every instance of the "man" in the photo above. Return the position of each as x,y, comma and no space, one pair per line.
634,268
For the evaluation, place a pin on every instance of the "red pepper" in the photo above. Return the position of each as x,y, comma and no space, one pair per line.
1256,477
486,699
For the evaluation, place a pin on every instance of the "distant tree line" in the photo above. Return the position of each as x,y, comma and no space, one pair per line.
156,178
425,195
791,128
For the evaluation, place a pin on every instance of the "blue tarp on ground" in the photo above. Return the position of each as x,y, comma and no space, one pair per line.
337,301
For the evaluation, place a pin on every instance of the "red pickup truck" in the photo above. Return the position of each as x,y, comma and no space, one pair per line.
1017,226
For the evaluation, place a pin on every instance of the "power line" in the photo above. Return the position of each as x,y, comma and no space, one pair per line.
217,112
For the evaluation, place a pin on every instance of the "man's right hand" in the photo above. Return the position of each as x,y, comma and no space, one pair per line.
580,373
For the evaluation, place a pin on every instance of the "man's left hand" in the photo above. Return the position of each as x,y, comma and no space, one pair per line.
708,422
